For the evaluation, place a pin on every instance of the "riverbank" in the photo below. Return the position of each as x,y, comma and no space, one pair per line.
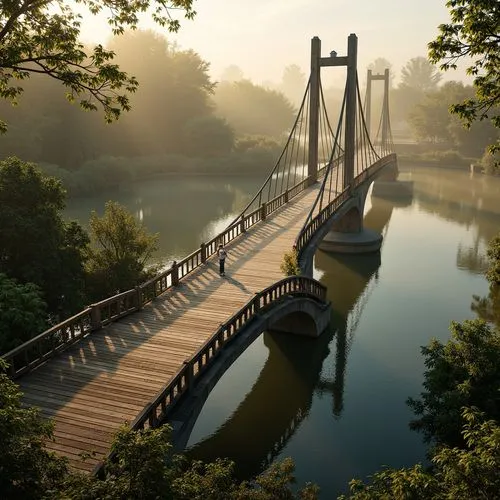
116,173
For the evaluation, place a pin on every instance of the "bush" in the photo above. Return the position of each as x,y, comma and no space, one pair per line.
290,265
120,252
463,372
22,313
491,163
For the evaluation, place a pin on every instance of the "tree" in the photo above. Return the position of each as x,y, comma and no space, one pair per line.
488,308
36,244
232,74
472,472
252,109
379,65
464,372
120,252
142,465
46,128
22,313
474,32
41,36
208,136
27,470
145,467
293,83
430,119
493,274
182,88
420,74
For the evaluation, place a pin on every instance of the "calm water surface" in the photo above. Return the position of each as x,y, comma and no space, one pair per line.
336,404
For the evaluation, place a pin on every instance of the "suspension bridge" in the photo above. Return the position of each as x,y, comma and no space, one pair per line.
152,354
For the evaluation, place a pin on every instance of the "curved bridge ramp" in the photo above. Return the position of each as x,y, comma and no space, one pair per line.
108,377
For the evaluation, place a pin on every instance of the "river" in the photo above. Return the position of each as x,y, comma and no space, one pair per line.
336,404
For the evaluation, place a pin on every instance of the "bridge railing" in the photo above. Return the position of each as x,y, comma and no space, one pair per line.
324,215
187,377
39,349
42,347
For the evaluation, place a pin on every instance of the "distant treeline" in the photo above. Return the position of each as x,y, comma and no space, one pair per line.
179,116
184,122
107,173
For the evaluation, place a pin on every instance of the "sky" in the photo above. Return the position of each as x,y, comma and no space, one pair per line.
264,36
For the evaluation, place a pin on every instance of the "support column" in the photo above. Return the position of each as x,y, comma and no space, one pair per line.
350,111
368,110
312,164
385,121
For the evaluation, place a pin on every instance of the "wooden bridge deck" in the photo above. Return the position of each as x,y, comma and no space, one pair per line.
108,378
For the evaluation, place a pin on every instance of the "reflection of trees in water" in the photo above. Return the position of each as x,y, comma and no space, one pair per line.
488,308
469,201
281,397
275,406
472,258
201,199
350,281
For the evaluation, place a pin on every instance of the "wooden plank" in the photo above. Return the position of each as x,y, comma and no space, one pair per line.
107,378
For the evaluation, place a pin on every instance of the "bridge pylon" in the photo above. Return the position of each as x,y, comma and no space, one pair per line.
347,234
317,62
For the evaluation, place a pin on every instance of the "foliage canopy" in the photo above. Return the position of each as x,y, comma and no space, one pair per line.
474,32
120,251
42,36
22,313
143,465
36,244
464,372
27,470
470,472
419,74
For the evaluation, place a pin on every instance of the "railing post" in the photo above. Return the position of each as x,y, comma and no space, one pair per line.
95,317
242,224
256,302
11,370
286,196
203,250
138,297
175,273
189,374
152,418
263,211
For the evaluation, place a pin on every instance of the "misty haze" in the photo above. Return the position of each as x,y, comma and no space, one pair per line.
264,235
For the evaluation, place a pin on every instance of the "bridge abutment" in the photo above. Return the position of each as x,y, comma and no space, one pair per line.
347,234
387,185
364,241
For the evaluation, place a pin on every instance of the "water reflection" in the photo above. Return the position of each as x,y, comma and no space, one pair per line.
350,280
184,210
281,397
469,201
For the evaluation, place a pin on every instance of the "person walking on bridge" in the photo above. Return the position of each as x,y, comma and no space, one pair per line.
221,252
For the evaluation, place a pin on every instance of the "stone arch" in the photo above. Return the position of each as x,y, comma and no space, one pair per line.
313,315
297,322
350,222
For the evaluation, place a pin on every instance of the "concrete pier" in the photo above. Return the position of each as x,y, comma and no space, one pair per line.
392,189
364,241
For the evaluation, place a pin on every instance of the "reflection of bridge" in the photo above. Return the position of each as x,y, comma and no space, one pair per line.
106,365
260,427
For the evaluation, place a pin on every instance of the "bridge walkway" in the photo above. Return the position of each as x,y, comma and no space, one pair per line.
109,377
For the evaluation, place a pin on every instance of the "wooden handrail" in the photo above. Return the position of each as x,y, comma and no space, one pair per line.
157,410
54,340
187,377
307,232
29,355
